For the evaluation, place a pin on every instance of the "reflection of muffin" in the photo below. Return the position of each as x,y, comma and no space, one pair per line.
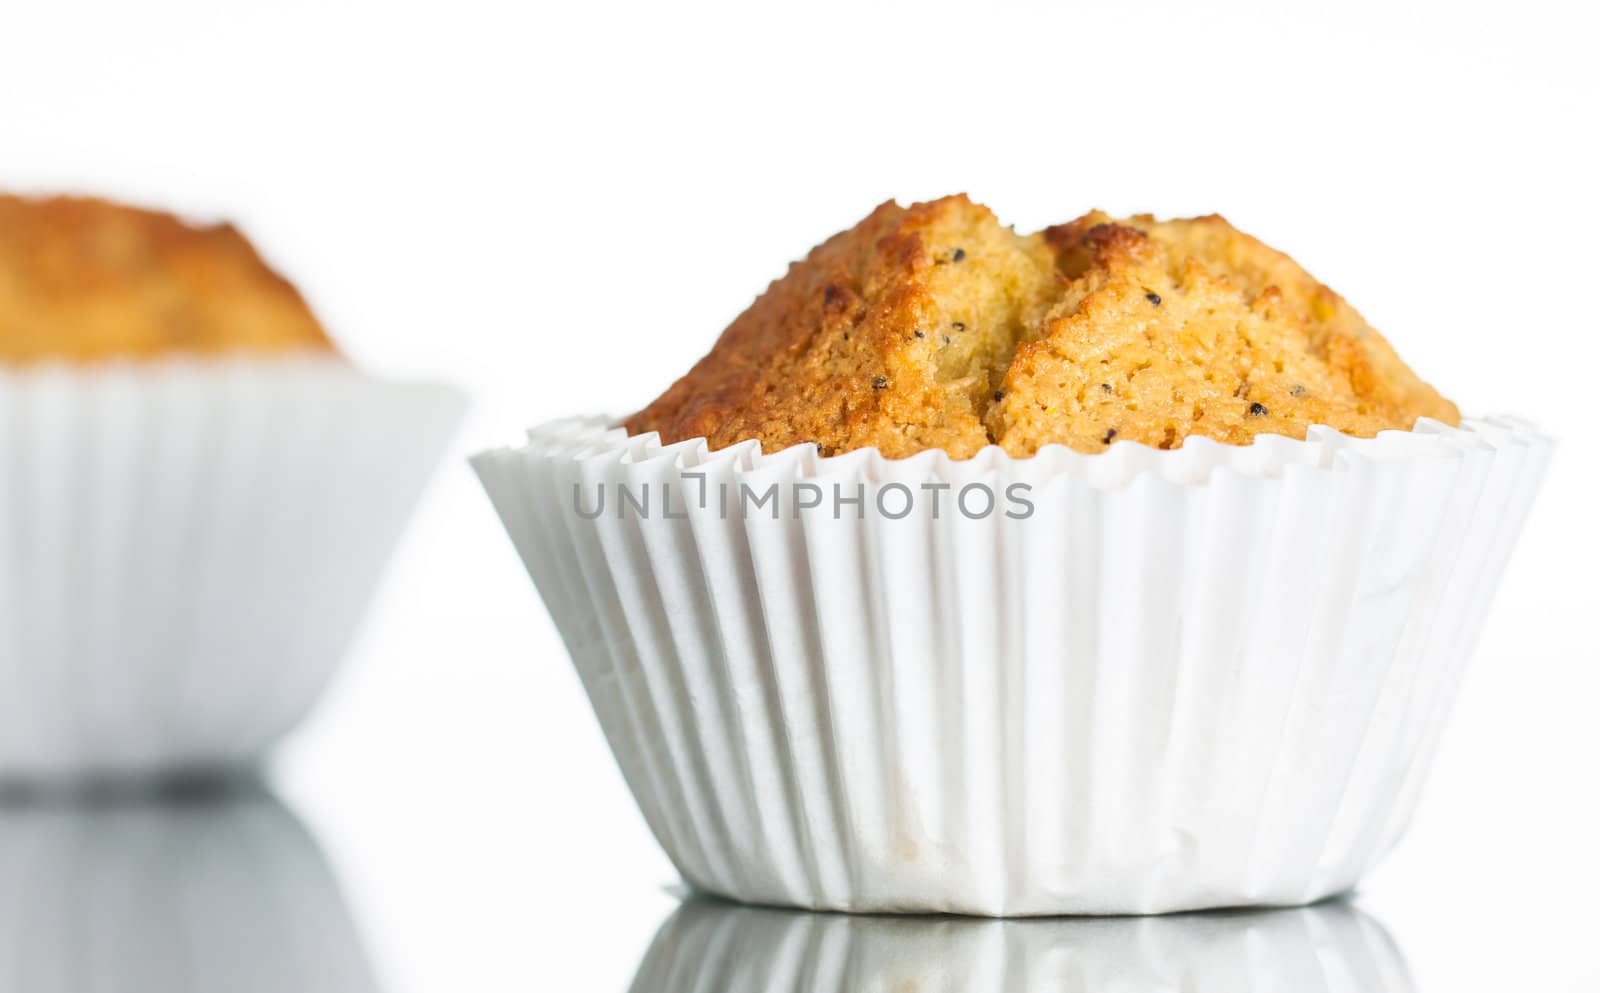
194,894
935,327
1331,947
198,493
83,279
902,669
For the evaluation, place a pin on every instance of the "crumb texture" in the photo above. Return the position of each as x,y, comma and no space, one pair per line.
933,326
84,280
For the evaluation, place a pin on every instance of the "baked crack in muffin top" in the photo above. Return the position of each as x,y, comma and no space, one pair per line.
932,326
82,279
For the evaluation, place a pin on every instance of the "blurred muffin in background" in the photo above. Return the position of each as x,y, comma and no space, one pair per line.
86,279
197,494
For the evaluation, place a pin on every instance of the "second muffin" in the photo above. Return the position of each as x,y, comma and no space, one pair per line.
197,494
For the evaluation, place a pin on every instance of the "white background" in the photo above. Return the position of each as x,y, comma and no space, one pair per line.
559,208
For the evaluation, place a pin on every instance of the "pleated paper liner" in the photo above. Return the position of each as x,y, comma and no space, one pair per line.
1194,678
212,894
186,548
711,947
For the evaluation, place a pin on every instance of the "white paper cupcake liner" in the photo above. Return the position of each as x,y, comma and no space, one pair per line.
186,549
1196,678
710,947
202,896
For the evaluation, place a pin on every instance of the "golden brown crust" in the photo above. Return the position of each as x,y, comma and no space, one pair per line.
934,327
84,280
881,337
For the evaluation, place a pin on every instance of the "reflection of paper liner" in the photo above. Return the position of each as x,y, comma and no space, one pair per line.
186,548
719,948
1196,678
204,895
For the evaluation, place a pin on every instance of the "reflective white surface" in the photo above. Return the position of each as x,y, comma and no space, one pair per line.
228,892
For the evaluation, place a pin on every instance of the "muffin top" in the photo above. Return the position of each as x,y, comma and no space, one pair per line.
933,326
84,280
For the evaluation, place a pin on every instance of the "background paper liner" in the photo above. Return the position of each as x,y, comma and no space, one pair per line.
186,549
201,896
1193,678
710,947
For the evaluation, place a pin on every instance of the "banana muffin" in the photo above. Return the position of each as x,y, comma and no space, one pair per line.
83,279
198,494
933,326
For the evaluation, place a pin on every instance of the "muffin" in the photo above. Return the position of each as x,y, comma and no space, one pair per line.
200,493
1121,568
935,327
85,280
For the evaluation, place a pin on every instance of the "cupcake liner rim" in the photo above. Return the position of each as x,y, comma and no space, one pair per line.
594,440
